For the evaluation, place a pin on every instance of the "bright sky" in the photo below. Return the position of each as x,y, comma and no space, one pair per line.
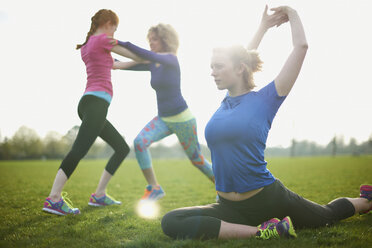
42,76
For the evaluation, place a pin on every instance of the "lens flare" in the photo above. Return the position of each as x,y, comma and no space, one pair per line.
148,209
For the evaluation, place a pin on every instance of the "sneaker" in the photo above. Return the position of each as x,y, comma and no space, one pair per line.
268,223
366,192
104,200
276,229
153,193
62,207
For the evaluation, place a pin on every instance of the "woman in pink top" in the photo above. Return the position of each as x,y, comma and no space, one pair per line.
92,110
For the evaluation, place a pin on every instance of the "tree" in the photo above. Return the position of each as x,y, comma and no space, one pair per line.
54,146
5,150
26,144
293,148
334,146
353,147
70,137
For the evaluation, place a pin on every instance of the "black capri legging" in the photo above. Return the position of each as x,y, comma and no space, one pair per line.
274,200
92,111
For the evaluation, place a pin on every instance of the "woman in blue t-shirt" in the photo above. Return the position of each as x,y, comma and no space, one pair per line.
236,135
174,116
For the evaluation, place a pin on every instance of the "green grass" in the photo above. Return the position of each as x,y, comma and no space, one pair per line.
24,186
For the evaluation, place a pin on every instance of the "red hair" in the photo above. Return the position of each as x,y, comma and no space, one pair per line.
100,18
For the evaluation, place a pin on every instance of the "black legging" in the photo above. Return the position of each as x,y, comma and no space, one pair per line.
274,200
93,111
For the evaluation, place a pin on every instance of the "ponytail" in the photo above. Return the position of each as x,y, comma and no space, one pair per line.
248,58
101,17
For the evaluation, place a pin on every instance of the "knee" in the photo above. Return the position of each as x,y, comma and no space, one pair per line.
137,141
121,149
341,208
125,151
140,143
169,224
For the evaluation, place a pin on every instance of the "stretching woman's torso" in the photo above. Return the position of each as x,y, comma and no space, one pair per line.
98,60
236,135
165,79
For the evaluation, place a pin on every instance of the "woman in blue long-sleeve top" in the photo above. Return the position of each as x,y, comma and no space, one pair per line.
174,115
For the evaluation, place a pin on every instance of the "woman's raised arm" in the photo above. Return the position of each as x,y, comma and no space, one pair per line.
292,67
267,21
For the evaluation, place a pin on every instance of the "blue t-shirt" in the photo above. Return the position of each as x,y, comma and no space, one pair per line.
236,135
165,79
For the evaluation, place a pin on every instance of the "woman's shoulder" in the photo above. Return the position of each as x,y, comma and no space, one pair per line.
101,40
171,58
171,55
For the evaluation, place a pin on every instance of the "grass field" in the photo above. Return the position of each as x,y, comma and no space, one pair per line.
24,186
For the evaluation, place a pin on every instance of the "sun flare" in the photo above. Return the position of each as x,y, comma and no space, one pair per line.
148,209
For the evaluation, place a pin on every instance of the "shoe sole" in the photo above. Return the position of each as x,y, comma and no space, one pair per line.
95,204
52,211
158,197
153,199
100,205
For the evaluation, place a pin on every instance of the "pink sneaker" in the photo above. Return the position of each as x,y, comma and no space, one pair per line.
366,192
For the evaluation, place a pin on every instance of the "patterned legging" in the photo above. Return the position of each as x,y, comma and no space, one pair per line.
158,129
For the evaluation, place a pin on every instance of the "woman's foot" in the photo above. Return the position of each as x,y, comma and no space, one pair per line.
101,201
275,228
62,207
366,192
153,193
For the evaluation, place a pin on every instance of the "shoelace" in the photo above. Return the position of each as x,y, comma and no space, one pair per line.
66,199
268,233
110,197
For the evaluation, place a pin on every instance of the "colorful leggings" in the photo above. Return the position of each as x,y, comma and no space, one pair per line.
158,129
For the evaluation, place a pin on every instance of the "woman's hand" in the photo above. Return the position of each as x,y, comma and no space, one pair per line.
267,21
276,19
113,41
282,9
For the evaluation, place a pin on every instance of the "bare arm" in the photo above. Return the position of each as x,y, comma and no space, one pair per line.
289,73
126,53
124,65
267,21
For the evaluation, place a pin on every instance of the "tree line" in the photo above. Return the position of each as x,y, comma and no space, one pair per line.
26,144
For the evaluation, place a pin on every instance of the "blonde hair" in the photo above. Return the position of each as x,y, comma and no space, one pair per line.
100,18
168,36
250,60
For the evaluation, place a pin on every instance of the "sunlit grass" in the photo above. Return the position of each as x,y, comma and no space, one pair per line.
25,184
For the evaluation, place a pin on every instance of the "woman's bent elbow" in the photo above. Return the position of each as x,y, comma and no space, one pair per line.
305,46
